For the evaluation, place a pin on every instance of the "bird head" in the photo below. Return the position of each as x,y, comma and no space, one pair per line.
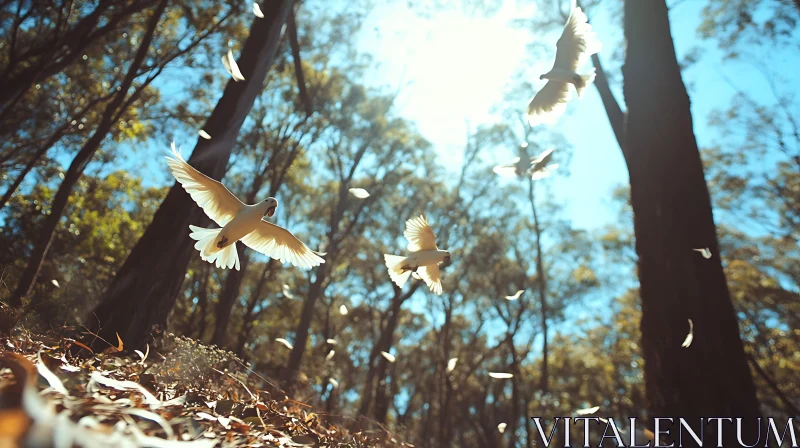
447,259
269,205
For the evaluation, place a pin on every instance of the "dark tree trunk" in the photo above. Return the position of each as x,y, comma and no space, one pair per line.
541,283
79,163
202,303
301,332
672,216
384,343
384,393
247,320
616,117
227,298
145,288
513,420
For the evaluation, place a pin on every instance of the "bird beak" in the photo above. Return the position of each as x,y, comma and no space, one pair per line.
270,211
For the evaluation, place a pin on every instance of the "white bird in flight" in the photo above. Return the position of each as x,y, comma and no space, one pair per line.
577,43
424,257
523,165
239,222
518,165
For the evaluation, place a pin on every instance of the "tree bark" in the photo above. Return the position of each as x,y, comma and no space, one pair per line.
541,283
227,298
79,163
672,216
202,303
384,343
145,288
304,324
247,320
616,117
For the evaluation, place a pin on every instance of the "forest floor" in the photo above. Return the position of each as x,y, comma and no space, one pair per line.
55,391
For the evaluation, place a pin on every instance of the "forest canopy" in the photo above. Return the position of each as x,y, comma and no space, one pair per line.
616,237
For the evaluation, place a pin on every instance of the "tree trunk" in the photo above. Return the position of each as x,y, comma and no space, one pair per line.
541,283
301,332
616,117
672,216
247,320
145,288
202,302
384,343
227,298
79,163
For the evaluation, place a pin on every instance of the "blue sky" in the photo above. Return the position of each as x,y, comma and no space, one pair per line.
456,68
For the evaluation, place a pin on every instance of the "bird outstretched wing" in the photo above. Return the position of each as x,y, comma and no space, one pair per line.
542,159
577,42
214,198
432,277
507,170
276,242
547,106
419,234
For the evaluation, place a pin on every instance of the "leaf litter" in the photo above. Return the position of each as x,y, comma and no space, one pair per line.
183,394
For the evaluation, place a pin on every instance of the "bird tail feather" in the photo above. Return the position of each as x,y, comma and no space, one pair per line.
587,79
395,264
226,258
